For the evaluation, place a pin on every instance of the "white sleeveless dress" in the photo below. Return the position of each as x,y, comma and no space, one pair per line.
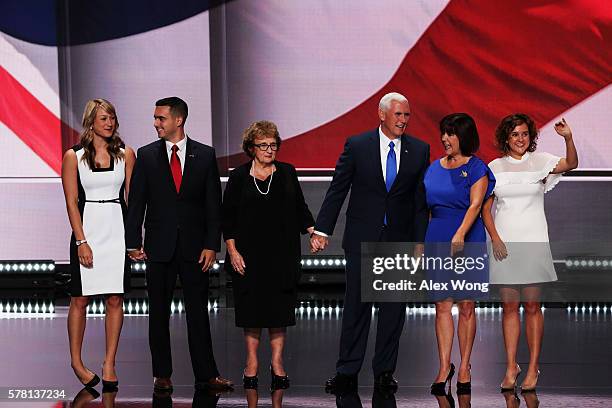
520,219
102,207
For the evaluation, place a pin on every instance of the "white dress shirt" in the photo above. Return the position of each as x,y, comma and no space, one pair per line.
384,151
182,147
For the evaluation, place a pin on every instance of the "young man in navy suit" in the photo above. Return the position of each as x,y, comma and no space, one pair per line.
387,203
176,183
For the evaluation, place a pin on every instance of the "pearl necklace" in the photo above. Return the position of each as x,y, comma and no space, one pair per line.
255,181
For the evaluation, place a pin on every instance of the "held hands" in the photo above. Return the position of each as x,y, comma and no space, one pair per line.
85,255
317,243
237,262
499,249
137,254
563,129
207,259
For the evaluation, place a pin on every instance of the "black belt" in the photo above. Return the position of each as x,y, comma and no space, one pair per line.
114,200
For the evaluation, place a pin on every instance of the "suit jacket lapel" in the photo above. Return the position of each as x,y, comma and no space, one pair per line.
187,168
375,152
165,165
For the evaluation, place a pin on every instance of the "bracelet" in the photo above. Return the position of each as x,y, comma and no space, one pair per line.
81,242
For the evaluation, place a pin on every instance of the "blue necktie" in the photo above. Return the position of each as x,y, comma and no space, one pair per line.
391,166
391,169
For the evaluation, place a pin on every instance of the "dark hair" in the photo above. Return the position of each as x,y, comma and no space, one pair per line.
257,130
463,126
507,125
178,107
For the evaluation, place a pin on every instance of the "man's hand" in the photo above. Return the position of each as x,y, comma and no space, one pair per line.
137,254
207,259
318,243
418,251
237,262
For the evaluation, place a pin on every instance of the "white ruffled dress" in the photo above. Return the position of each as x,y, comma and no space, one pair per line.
520,219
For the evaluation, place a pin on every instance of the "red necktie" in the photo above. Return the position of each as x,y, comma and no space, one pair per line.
175,167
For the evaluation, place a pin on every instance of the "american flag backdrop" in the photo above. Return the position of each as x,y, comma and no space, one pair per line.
316,68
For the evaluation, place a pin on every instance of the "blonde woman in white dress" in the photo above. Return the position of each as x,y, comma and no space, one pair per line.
522,260
96,178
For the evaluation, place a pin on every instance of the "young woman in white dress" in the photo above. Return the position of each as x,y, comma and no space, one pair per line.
519,233
96,178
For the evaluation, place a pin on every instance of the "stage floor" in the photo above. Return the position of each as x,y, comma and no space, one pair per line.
576,362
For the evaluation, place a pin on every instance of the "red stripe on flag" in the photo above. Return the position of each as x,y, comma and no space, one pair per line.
31,121
488,59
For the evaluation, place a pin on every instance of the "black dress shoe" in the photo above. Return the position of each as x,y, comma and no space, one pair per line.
162,384
439,388
278,382
464,388
93,382
341,382
215,383
249,382
385,381
110,384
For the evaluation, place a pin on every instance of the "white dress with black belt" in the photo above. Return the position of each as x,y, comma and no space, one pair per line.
102,207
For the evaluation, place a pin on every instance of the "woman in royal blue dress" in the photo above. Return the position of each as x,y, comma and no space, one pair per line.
456,186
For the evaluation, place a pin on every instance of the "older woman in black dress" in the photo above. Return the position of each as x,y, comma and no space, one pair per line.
263,214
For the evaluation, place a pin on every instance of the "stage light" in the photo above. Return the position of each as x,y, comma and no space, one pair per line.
590,262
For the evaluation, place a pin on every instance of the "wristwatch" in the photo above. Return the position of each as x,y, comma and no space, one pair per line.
81,242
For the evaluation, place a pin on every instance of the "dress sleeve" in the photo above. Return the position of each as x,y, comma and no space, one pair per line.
304,214
549,162
231,202
476,171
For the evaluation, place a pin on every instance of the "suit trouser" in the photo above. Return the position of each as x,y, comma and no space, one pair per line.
356,319
161,280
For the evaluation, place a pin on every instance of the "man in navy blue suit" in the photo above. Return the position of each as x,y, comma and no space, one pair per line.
387,204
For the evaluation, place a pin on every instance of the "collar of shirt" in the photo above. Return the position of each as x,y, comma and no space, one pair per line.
384,151
182,147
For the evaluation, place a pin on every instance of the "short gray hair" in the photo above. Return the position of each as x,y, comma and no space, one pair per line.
385,101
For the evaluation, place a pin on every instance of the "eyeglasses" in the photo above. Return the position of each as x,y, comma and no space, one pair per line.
264,146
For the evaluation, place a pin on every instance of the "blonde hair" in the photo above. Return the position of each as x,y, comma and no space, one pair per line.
114,143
